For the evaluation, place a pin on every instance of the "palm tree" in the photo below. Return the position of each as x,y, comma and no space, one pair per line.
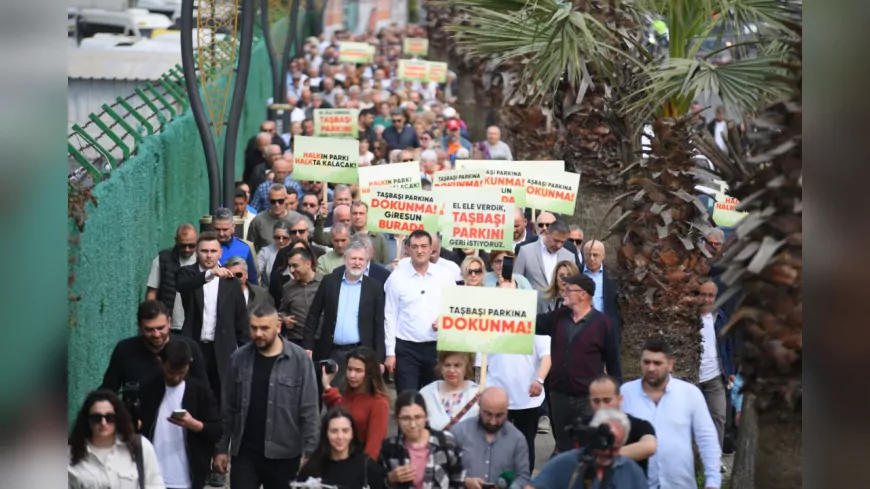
764,264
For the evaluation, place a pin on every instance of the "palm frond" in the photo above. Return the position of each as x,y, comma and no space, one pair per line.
552,40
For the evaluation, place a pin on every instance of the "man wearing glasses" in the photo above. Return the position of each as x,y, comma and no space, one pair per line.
583,344
161,279
260,229
400,135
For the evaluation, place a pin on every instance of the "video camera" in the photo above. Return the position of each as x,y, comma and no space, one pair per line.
597,438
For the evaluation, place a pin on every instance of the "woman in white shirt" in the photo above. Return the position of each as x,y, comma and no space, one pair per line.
446,399
103,448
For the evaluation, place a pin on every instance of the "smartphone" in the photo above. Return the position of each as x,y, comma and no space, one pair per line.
507,267
179,413
331,366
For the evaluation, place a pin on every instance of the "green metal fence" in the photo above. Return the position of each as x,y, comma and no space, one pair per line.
143,155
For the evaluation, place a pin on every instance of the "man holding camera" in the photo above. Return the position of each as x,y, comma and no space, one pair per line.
641,443
599,464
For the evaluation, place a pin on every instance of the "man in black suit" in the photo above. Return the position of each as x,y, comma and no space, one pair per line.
215,312
373,269
545,219
195,433
605,298
351,306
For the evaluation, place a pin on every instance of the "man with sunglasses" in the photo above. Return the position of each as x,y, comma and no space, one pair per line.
254,294
260,229
400,135
161,279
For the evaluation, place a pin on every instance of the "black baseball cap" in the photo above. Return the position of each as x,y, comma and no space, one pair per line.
582,281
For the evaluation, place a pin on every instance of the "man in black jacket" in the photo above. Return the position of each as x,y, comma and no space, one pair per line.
361,322
184,444
215,312
161,279
137,359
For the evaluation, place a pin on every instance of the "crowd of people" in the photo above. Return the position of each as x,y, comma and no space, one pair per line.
265,349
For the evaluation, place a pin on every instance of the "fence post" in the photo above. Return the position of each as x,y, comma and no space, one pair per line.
152,106
137,115
166,104
124,124
87,165
113,162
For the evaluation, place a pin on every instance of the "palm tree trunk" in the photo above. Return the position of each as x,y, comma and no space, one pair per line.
778,463
743,472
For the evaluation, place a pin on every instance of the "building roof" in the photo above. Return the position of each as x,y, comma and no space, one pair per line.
120,63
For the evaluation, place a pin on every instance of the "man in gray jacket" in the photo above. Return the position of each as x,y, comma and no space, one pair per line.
270,408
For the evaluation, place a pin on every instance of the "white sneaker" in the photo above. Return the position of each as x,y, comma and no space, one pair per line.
544,425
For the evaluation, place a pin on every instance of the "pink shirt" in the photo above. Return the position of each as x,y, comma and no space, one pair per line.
419,457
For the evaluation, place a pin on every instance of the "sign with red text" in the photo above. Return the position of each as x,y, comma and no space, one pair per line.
333,160
355,52
413,71
552,191
458,178
416,46
509,176
437,72
723,211
474,220
336,123
487,320
399,175
402,211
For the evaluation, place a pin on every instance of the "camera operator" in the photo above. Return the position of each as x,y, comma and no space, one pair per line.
641,443
598,465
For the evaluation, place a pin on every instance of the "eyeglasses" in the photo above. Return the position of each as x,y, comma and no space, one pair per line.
238,274
97,418
276,201
544,225
308,204
475,271
412,419
575,241
298,232
407,160
187,246
281,238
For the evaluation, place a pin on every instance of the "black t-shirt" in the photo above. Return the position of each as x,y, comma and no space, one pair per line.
351,473
639,428
254,436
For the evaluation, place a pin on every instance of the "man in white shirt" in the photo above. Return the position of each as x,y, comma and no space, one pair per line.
716,364
679,414
719,129
522,377
411,309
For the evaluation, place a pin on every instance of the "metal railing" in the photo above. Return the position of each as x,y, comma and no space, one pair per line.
111,136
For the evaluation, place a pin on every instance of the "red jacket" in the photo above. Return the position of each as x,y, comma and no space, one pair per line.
370,413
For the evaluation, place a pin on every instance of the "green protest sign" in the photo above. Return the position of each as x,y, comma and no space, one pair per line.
413,71
336,123
458,178
437,72
399,175
476,221
416,46
401,211
355,52
552,191
487,320
332,160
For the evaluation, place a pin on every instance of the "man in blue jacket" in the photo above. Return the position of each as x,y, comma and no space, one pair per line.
717,364
400,135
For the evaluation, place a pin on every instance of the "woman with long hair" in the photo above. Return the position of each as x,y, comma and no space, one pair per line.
551,298
266,257
339,458
495,278
420,456
454,398
364,394
103,448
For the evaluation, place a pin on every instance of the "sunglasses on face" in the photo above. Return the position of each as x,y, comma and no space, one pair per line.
407,160
298,232
544,225
276,201
187,246
238,274
309,204
475,271
97,418
281,238
576,241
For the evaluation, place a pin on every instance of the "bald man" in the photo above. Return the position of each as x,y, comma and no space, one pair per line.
606,288
497,148
520,223
490,445
161,280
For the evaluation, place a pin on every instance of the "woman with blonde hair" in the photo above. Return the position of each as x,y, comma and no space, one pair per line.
454,398
551,298
473,268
